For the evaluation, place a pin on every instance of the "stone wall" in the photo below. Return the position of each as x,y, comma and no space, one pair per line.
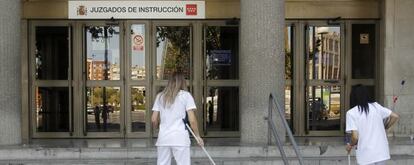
398,46
10,80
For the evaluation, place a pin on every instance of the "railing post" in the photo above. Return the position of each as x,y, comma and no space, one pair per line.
272,129
279,143
289,132
269,118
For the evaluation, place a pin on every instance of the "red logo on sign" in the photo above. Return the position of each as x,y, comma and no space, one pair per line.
191,9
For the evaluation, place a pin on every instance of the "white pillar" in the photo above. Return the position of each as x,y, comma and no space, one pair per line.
262,65
10,71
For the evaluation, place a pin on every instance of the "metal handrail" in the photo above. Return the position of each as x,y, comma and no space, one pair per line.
272,128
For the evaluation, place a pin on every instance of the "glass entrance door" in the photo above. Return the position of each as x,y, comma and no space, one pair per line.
172,52
52,86
103,72
106,87
137,79
324,85
322,63
221,80
116,79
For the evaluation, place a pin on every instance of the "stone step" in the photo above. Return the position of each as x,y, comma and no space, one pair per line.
335,154
21,153
396,160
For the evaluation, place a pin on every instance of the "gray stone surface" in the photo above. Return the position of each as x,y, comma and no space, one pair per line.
398,44
254,158
10,96
261,65
119,151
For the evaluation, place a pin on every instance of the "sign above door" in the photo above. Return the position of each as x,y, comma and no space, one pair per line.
136,10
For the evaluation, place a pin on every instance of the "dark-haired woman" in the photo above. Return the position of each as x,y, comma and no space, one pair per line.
365,124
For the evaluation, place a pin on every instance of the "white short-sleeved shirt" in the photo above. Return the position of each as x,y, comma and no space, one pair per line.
372,138
172,129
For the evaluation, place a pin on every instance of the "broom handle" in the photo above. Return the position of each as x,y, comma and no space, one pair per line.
202,147
349,153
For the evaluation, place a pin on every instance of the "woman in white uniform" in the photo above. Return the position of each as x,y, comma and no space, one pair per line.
365,123
171,106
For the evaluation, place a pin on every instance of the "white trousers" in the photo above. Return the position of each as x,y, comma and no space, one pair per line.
181,155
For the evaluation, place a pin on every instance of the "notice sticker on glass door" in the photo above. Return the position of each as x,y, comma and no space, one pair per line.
137,42
364,38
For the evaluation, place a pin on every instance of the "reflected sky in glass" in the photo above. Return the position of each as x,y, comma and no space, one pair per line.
96,49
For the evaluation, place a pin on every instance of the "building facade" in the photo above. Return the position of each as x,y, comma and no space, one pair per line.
97,78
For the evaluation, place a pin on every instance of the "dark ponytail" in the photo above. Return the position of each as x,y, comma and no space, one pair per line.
360,98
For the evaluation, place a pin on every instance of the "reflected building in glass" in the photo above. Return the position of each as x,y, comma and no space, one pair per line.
329,64
95,69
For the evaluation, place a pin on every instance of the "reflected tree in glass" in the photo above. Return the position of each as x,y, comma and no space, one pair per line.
138,110
138,99
105,96
103,107
288,65
177,48
288,53
214,43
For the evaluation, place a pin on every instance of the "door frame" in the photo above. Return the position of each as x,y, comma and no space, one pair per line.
70,82
102,83
341,82
215,83
156,83
129,83
299,81
378,62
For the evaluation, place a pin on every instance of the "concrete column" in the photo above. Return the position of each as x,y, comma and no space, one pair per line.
262,65
398,48
10,71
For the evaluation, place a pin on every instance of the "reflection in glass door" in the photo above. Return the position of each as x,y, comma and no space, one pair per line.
324,82
52,81
221,88
172,45
136,114
289,54
103,109
173,51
